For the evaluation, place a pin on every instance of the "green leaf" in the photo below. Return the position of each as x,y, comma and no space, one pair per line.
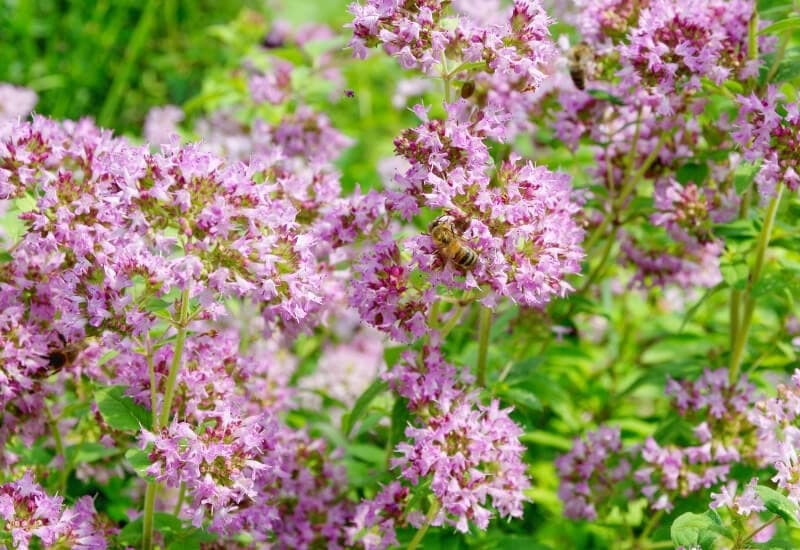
776,283
547,439
400,416
362,404
788,24
139,461
604,95
692,310
120,411
691,530
735,272
5,257
167,524
154,305
692,172
391,355
777,503
367,453
189,539
521,398
84,453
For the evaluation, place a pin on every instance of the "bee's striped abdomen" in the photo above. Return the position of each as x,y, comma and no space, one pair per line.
465,257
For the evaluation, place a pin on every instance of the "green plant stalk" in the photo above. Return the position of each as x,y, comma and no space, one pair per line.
744,205
627,189
163,418
484,327
149,513
735,314
177,356
749,537
51,421
445,79
420,534
138,40
749,302
179,504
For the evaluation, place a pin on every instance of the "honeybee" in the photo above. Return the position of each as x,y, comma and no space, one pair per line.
579,58
60,357
450,244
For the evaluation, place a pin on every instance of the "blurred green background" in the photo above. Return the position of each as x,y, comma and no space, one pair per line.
115,59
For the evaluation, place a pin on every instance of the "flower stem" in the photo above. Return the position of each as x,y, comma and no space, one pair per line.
749,302
149,513
175,367
161,420
51,421
749,537
179,504
432,511
484,327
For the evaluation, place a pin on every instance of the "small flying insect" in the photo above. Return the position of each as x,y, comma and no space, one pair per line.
60,356
579,58
451,246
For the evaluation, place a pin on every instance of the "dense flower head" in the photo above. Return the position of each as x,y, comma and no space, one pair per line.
470,452
591,472
422,34
523,228
374,520
238,237
676,43
685,265
671,471
768,130
776,421
601,21
689,211
744,504
28,514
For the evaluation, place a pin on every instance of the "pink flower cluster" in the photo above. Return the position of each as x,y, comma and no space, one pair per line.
767,130
591,472
30,517
600,469
419,35
470,452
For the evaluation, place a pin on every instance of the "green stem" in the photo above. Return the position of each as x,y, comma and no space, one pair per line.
484,327
597,271
627,189
179,504
755,273
51,421
137,42
445,79
151,370
149,514
749,537
169,393
432,511
735,314
177,356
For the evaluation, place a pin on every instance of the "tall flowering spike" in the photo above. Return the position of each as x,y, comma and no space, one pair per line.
592,473
777,422
469,452
768,130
